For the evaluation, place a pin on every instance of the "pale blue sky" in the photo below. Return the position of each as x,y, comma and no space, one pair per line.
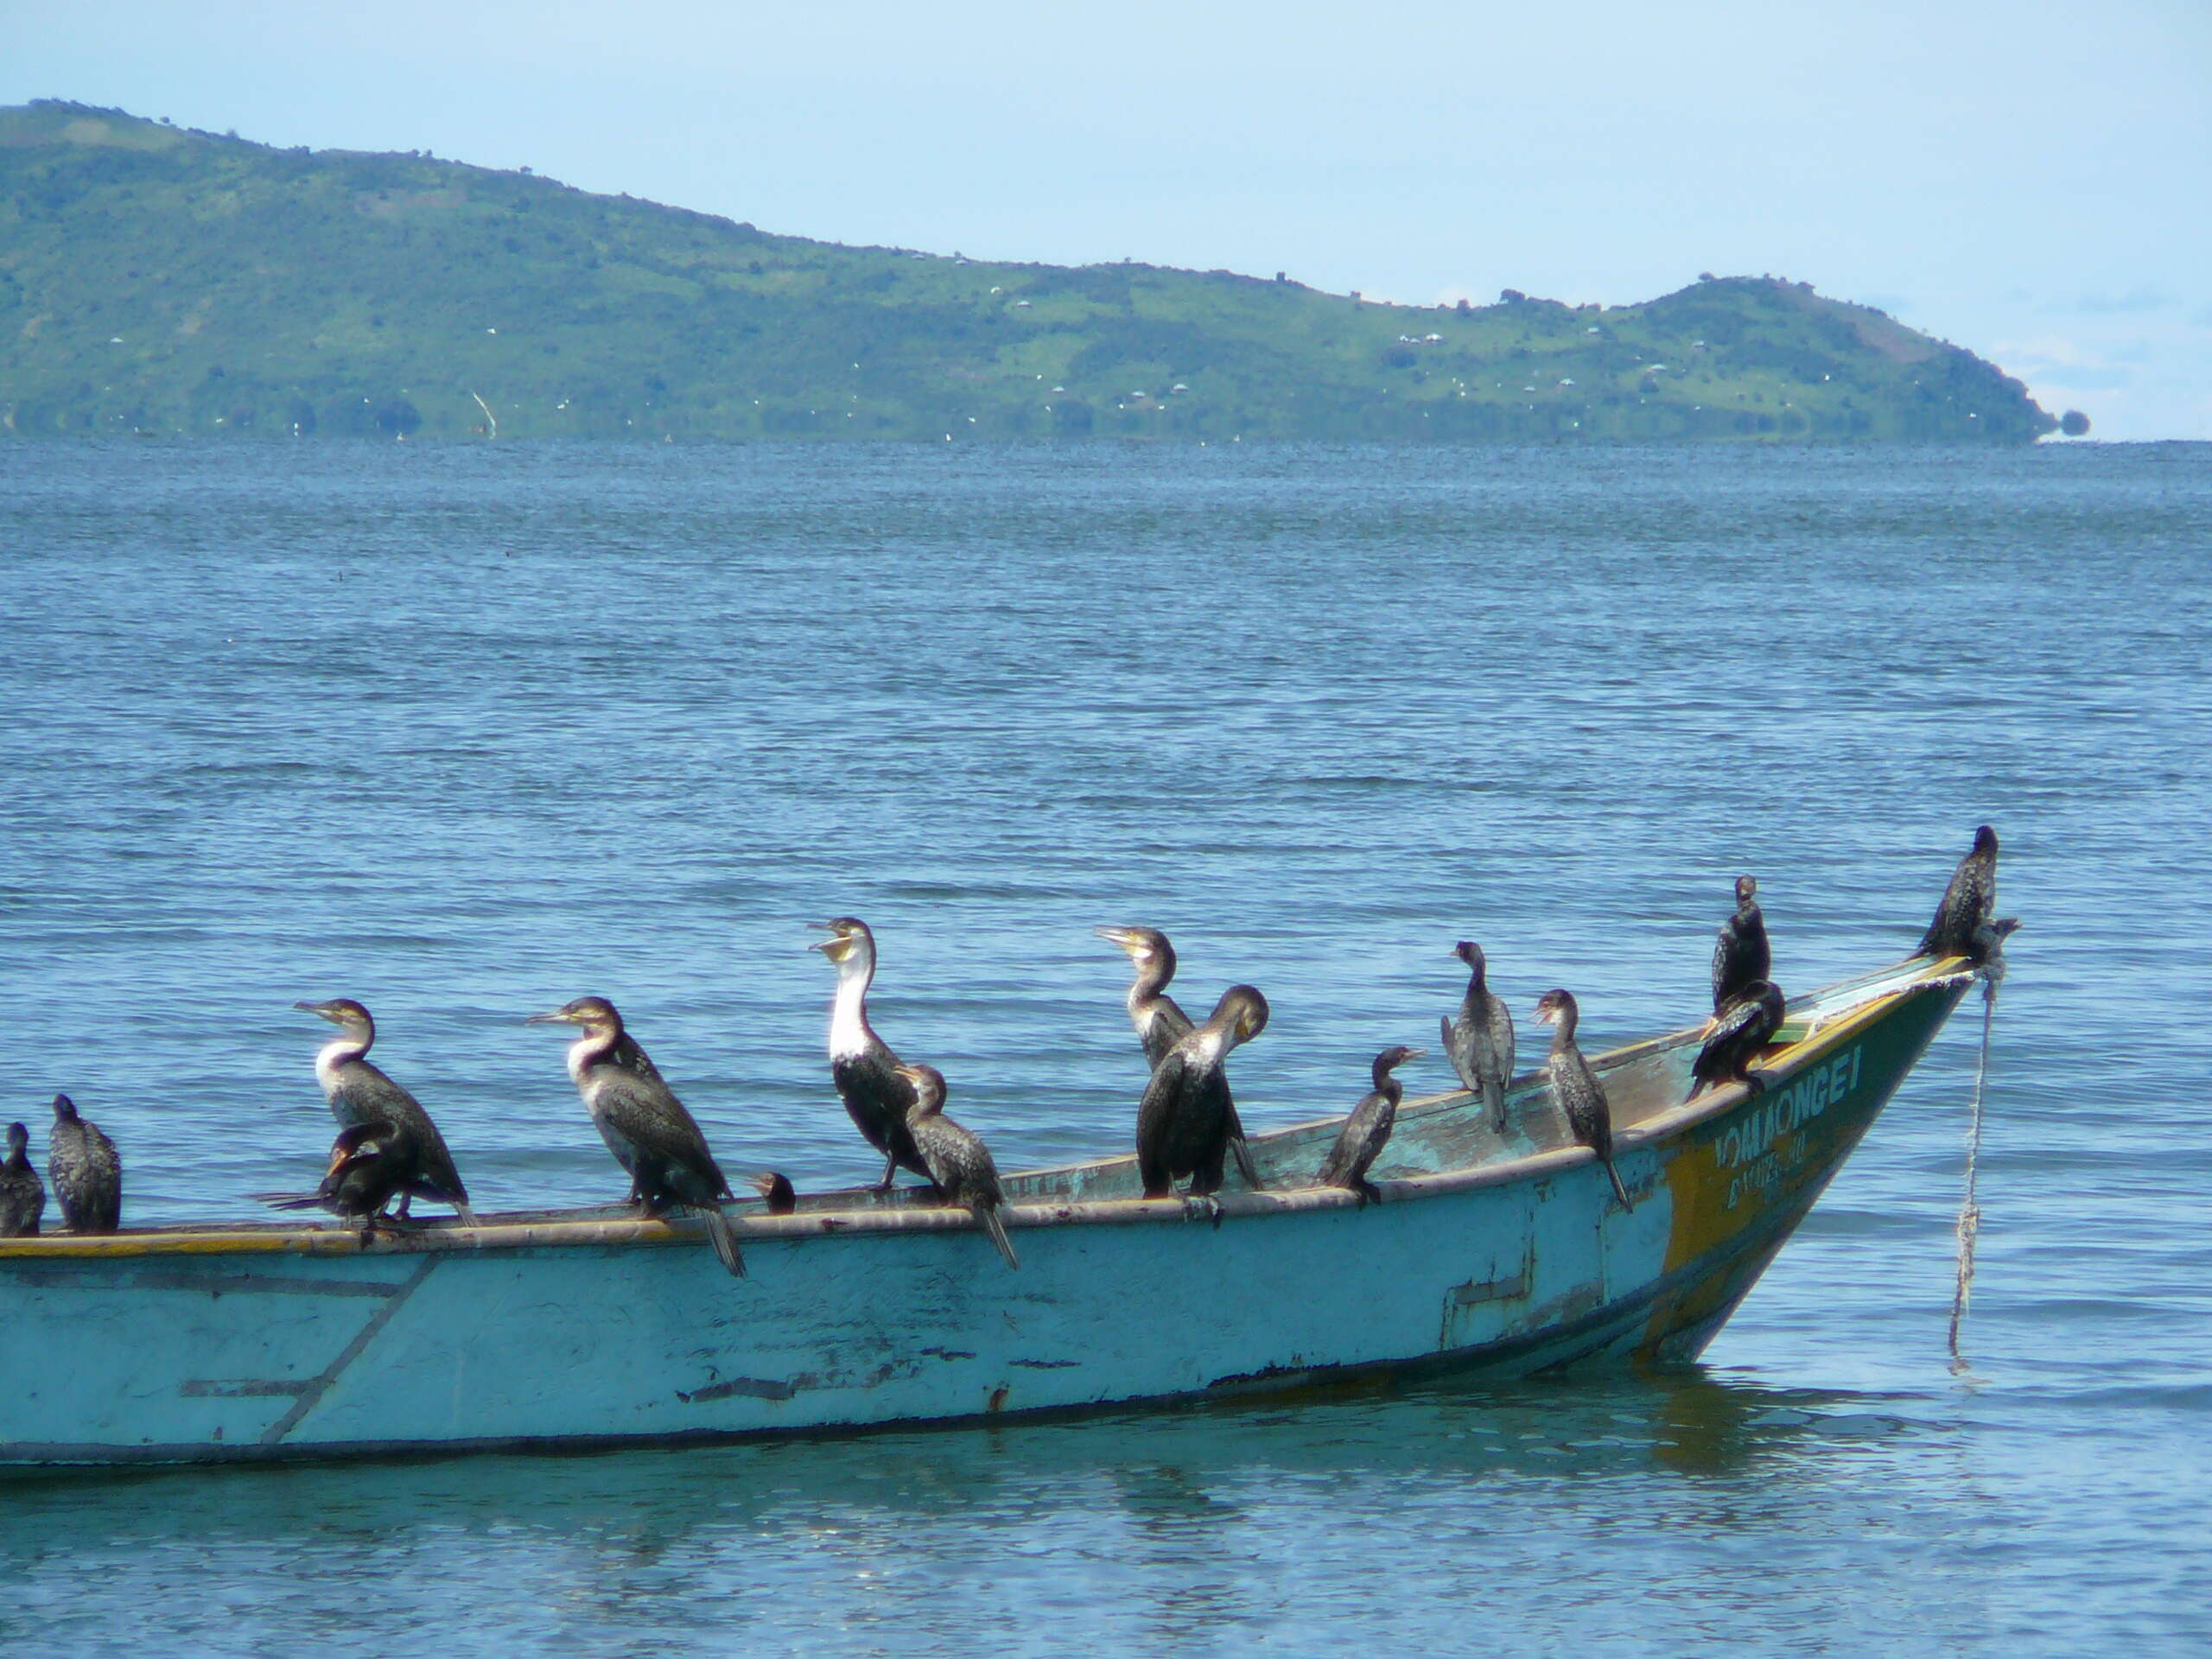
2029,179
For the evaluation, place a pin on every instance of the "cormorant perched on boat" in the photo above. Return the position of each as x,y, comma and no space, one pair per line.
370,1164
1970,901
644,1124
1367,1131
22,1195
1739,1031
1989,946
1161,1023
1575,1086
85,1173
359,1092
1183,1120
1741,954
1480,1040
862,1063
958,1160
775,1187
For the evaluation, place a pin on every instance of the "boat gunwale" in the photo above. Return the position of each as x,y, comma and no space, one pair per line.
1666,1124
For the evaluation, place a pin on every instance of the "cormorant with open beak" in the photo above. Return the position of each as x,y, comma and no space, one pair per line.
1480,1040
1161,1023
1740,1033
1741,955
370,1164
22,1195
958,1161
1968,902
862,1063
1367,1131
776,1191
1183,1120
1575,1086
644,1124
359,1092
85,1170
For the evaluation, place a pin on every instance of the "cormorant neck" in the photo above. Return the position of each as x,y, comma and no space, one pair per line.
1390,1088
848,1027
588,1050
351,1044
1477,977
1563,1030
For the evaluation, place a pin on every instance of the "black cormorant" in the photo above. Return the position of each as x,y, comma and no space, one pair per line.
644,1124
22,1195
359,1092
1367,1131
1183,1120
1969,901
860,1063
1478,1040
776,1191
958,1160
1575,1086
1741,954
370,1164
1739,1031
1161,1023
87,1175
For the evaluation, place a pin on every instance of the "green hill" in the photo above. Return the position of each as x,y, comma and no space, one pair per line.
160,280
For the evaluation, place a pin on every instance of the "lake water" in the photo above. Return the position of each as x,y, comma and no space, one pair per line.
464,732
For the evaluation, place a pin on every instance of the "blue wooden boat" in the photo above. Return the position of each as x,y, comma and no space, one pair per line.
1486,1253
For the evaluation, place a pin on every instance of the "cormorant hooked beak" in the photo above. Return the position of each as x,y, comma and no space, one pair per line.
558,1017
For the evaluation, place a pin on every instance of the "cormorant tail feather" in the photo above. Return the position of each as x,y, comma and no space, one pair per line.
1241,1149
723,1239
994,1224
1614,1176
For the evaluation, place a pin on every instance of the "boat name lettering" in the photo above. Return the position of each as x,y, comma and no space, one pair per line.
1801,1102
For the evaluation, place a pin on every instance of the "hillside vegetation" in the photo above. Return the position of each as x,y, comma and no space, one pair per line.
159,280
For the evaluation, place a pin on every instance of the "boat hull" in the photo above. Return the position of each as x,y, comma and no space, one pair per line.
186,1347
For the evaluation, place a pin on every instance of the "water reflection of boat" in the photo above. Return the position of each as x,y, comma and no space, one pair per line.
1506,1255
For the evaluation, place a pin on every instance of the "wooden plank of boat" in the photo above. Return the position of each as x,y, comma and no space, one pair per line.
1488,1253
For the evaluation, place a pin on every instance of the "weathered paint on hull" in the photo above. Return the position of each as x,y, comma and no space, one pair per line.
198,1354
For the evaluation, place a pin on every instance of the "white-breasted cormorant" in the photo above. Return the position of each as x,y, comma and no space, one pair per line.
1478,1039
1367,1131
862,1063
22,1195
1161,1023
1739,1031
1968,902
1183,1120
776,1191
85,1173
1741,954
370,1164
644,1124
1575,1086
360,1092
958,1161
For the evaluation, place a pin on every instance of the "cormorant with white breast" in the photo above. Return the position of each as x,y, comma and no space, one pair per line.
1367,1131
644,1124
862,1063
22,1195
360,1092
1183,1120
1480,1040
1575,1086
85,1170
370,1164
1161,1023
1741,954
1968,902
958,1161
1739,1032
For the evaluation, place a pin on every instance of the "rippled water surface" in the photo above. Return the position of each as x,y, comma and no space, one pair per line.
464,732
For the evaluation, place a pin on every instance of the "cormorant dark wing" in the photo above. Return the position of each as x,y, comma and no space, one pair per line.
1968,902
878,1099
654,1137
23,1201
363,1093
1360,1142
1741,955
1183,1114
86,1176
1167,1025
